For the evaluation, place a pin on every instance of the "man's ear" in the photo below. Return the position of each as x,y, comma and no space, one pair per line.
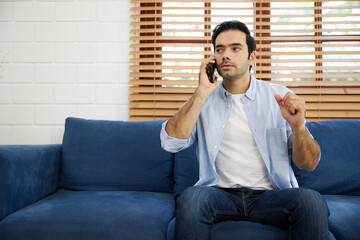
252,58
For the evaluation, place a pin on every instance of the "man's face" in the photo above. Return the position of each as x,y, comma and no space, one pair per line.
231,54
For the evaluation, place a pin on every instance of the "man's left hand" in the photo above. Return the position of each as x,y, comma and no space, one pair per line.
292,108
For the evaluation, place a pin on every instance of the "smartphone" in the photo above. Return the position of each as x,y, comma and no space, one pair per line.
211,70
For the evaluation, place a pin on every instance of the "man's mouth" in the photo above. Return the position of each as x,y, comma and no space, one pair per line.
226,66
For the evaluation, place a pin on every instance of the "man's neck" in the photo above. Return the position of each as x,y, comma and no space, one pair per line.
237,86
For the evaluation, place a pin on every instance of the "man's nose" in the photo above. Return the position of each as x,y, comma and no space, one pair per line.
226,55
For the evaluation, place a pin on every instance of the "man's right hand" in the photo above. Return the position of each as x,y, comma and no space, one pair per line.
182,124
205,85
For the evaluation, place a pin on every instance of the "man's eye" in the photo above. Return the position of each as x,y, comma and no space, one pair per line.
218,50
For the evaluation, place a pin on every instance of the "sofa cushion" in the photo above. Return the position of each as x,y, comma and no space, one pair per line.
344,216
115,155
230,230
91,215
338,171
186,169
244,230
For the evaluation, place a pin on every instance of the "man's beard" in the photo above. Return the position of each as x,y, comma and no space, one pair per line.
235,73
228,75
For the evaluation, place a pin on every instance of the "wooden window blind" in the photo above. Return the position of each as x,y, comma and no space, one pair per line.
312,47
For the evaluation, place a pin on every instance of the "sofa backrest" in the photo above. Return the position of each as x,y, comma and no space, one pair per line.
115,155
338,171
186,169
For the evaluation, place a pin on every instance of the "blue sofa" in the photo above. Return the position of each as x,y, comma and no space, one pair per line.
111,180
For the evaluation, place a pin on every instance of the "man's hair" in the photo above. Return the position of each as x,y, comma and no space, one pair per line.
235,25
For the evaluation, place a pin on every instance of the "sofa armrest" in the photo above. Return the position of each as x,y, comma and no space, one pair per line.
27,174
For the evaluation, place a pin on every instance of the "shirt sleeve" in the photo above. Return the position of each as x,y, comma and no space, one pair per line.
174,145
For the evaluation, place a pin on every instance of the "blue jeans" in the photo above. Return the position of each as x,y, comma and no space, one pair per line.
302,211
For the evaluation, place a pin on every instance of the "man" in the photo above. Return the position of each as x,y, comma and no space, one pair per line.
245,129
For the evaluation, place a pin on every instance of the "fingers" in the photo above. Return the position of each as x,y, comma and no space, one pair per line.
205,64
292,102
204,70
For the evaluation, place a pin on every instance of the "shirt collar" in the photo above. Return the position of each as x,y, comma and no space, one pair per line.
250,93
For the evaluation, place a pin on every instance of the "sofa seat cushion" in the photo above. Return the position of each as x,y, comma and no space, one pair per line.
344,216
233,230
92,215
248,230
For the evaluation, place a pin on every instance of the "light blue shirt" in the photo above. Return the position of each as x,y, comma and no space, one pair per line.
272,133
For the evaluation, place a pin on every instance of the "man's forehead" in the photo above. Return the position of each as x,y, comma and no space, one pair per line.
231,37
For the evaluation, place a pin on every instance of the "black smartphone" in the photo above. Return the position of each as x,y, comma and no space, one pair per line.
211,70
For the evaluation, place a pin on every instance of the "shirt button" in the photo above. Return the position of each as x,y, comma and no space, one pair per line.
223,126
228,105
215,147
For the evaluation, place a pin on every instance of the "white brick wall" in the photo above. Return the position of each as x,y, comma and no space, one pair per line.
59,59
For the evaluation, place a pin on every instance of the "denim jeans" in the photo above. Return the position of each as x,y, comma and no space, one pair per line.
302,211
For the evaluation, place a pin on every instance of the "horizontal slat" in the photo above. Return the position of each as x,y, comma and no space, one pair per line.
337,114
331,98
163,82
311,114
258,68
258,60
201,14
160,90
151,112
288,31
221,1
354,106
318,83
291,84
310,75
258,45
332,106
131,118
229,1
152,23
259,53
295,8
159,97
298,90
184,97
273,38
159,67
158,105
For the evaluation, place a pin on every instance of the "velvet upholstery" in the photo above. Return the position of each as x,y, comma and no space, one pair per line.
344,220
92,215
232,230
186,169
117,183
338,171
114,156
27,174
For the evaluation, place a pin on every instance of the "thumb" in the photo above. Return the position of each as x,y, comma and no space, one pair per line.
278,99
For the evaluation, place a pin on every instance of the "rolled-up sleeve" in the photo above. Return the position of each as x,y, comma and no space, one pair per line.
172,144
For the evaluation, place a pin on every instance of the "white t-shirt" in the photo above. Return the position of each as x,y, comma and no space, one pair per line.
239,163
